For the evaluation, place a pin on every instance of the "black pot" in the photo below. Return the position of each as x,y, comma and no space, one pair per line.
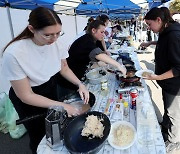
77,144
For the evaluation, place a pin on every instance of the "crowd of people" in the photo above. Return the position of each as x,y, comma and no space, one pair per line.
41,70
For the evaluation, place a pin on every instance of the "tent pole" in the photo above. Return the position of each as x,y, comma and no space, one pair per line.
75,21
10,21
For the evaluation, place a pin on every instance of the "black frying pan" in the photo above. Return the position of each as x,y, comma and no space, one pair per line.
130,79
77,144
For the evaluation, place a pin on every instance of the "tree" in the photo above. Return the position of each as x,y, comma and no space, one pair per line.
175,6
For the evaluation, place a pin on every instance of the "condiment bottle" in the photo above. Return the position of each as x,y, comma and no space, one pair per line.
120,98
104,87
134,94
125,108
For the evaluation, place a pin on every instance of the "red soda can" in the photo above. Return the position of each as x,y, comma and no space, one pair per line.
133,93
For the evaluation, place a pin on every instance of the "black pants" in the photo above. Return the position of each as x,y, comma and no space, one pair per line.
171,118
35,127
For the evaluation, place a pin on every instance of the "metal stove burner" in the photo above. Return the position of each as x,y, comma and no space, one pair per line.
127,89
128,84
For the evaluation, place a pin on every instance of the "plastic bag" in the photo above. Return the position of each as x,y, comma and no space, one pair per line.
9,117
3,124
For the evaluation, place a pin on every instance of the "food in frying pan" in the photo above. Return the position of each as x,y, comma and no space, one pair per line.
93,127
123,135
145,74
142,48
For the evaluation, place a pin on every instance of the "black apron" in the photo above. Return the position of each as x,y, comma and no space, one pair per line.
36,126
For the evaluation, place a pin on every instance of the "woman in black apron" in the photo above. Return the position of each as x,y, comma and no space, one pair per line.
30,62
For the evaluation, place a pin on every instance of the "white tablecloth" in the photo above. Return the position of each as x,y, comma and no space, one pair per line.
158,147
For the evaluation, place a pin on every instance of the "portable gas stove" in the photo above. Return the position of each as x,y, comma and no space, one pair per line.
130,84
124,87
131,79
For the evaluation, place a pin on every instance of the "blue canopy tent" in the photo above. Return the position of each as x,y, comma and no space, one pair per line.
114,8
24,4
156,3
110,7
122,16
27,4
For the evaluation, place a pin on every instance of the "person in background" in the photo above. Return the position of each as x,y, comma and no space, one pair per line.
149,35
84,50
30,62
89,21
167,73
83,32
111,34
132,28
105,19
115,30
108,39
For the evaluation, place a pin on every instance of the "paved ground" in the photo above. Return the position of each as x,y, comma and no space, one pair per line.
14,146
11,146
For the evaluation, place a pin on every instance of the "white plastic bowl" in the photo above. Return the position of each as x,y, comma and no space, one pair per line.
111,135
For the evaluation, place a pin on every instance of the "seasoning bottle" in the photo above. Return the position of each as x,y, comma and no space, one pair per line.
104,87
125,108
120,98
134,94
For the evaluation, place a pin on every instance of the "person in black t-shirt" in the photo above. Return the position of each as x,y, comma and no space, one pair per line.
84,50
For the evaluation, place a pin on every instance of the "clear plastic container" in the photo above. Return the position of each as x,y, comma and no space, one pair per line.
145,123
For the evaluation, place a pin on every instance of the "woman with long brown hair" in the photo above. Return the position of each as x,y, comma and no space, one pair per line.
29,62
167,72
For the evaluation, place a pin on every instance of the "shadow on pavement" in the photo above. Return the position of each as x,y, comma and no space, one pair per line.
149,66
157,111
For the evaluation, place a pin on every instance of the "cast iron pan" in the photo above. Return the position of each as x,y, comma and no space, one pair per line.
124,55
130,76
130,79
77,144
127,61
